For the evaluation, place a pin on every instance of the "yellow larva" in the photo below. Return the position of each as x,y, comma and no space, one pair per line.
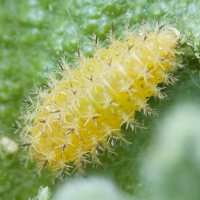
78,117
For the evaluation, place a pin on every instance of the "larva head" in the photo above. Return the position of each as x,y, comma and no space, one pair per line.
75,119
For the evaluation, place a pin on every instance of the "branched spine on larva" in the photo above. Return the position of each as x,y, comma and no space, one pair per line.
76,119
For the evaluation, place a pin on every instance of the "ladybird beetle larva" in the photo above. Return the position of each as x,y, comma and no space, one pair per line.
76,118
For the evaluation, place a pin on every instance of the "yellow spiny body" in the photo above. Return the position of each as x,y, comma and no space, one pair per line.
82,114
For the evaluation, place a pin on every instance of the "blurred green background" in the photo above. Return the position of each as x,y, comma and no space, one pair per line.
33,36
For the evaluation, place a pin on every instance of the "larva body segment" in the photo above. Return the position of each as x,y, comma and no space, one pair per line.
81,115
